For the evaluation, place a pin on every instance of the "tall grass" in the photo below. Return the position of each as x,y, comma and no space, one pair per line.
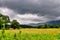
5,35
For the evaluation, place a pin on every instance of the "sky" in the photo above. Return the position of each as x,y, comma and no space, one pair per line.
31,11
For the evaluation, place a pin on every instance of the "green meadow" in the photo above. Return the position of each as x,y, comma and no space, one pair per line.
35,34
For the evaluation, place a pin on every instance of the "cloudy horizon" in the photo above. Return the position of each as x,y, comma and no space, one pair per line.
31,11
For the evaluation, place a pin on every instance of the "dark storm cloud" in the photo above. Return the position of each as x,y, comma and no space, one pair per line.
47,8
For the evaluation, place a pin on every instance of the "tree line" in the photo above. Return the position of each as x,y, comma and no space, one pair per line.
7,24
42,26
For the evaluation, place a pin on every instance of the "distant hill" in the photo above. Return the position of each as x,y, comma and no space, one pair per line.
49,22
54,22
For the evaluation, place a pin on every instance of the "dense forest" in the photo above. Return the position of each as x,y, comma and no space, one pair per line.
7,24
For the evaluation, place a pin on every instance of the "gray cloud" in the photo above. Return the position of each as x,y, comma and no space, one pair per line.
41,7
47,8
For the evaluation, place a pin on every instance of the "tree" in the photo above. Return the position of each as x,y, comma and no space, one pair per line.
46,26
14,24
3,20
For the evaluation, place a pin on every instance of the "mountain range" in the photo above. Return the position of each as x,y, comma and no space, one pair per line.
49,22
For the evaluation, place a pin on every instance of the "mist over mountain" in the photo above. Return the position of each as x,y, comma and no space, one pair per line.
54,22
49,22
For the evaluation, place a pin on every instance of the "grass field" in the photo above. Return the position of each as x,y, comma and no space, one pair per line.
30,34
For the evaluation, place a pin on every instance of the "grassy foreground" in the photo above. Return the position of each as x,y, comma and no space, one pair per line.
30,34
